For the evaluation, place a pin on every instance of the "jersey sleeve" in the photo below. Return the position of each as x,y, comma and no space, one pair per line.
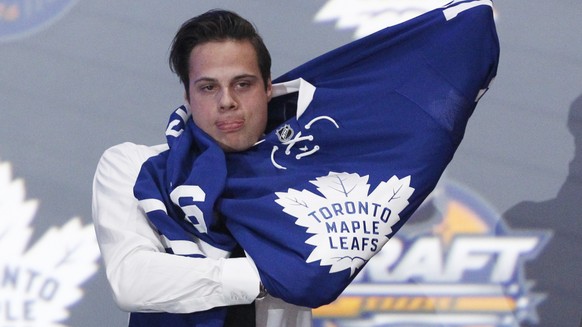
327,189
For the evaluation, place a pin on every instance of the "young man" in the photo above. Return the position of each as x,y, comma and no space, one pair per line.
375,124
225,69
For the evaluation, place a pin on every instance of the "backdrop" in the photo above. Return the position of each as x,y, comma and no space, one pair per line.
498,244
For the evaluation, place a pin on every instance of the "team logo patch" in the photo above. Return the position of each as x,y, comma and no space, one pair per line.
21,18
285,133
287,137
349,224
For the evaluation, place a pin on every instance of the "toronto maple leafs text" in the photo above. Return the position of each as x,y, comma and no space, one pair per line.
361,232
22,290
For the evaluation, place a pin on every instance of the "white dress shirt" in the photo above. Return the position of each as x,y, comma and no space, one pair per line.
144,278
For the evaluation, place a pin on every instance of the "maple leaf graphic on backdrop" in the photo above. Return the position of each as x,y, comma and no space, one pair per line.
369,16
41,281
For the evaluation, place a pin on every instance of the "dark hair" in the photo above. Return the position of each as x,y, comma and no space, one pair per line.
215,25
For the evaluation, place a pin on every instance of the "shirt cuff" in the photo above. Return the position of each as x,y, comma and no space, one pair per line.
240,281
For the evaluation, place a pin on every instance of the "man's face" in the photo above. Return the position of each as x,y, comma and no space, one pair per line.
228,99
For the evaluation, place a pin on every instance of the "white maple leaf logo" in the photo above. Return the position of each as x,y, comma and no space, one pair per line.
369,16
349,224
38,284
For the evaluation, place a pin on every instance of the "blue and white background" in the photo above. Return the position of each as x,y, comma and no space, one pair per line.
498,244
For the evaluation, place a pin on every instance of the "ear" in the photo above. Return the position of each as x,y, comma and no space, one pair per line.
269,89
187,103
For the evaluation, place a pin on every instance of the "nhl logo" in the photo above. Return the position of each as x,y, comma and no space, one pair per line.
285,133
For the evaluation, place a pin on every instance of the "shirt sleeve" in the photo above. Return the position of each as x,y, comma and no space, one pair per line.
142,276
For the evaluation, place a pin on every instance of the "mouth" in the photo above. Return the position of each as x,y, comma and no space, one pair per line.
231,125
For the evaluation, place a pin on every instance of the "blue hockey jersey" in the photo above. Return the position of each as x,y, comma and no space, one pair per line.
357,139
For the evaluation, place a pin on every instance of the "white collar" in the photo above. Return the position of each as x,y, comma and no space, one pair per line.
305,89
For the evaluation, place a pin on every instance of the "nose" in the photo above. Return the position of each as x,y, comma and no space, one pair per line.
227,100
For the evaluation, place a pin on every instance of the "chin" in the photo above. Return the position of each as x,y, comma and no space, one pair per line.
236,147
241,144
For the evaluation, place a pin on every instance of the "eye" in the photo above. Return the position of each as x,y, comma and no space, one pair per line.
244,84
207,87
